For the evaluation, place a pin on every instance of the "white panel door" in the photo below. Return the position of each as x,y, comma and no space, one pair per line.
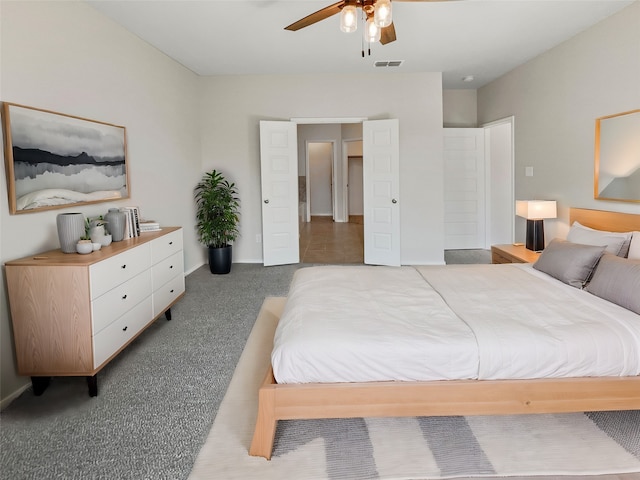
279,179
464,189
381,179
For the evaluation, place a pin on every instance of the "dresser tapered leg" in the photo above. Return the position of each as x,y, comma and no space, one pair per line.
39,385
92,382
168,314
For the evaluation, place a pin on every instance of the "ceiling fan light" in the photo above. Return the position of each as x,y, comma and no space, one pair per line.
371,31
382,13
349,18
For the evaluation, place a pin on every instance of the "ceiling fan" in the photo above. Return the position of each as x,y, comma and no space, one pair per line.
376,14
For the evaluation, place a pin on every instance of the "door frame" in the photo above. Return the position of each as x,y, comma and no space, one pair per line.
510,120
345,174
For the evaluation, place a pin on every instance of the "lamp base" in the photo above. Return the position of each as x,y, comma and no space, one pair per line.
535,235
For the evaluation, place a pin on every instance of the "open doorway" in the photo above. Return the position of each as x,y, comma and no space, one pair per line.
331,234
283,144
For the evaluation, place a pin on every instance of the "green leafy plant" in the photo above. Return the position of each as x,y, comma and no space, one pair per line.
87,227
217,212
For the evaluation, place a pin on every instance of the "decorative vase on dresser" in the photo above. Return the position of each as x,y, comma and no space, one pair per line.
72,315
116,221
70,229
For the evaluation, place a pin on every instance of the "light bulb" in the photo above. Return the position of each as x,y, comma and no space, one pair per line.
371,31
349,18
382,14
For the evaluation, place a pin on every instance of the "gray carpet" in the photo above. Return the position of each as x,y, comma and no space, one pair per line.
156,400
467,256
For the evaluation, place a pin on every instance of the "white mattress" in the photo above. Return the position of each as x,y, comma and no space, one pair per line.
359,324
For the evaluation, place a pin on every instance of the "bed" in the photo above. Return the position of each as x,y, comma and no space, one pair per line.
458,386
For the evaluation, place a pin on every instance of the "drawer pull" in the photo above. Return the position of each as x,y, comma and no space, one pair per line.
124,266
171,291
170,267
170,243
124,297
125,329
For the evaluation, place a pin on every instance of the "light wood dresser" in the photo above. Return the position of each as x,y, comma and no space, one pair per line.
71,313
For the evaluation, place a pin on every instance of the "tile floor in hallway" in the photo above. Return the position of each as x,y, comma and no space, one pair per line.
324,241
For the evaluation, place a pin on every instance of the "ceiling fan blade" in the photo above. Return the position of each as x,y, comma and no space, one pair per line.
316,17
388,34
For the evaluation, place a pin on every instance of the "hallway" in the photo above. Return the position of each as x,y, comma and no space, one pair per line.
324,241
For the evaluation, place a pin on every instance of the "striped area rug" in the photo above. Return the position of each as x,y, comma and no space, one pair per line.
409,448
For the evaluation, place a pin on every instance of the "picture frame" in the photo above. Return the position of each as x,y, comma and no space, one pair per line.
617,157
54,160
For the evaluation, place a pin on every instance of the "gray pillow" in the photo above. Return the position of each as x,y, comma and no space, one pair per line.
571,263
616,242
617,280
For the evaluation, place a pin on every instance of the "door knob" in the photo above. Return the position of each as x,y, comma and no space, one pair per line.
393,200
266,201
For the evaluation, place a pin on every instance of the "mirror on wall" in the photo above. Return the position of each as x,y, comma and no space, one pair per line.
617,157
55,160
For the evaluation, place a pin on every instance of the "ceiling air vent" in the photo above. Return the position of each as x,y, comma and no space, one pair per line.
388,63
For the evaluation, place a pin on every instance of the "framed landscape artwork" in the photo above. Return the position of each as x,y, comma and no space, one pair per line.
55,160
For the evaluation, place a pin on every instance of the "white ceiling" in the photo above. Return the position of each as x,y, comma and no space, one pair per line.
483,38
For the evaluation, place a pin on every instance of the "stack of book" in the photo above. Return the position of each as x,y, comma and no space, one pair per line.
135,224
149,226
132,227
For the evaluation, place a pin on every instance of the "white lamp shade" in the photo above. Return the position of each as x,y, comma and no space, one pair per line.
536,209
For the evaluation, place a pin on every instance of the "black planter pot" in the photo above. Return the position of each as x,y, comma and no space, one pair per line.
220,259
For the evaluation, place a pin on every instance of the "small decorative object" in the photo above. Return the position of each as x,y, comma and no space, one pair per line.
116,221
96,229
84,246
105,241
217,219
96,246
71,227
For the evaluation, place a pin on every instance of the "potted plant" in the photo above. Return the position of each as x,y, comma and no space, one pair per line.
217,208
85,245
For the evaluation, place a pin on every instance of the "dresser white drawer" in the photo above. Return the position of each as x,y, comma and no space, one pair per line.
112,338
113,304
166,294
167,269
116,270
166,245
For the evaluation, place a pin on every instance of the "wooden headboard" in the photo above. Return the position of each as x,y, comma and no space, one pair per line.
603,220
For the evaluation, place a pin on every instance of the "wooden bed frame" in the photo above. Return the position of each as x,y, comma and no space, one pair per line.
450,397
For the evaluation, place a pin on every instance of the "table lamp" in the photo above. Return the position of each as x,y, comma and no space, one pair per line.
535,211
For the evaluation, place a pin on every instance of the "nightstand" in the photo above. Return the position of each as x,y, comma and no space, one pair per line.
510,253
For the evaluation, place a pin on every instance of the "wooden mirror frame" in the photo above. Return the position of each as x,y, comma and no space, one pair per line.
55,160
617,145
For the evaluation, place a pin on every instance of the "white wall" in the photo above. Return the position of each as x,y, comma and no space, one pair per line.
355,178
555,99
232,106
67,57
460,108
320,178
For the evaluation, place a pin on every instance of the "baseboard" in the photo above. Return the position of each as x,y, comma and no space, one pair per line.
5,402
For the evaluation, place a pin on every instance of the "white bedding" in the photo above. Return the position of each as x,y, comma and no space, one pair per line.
359,324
